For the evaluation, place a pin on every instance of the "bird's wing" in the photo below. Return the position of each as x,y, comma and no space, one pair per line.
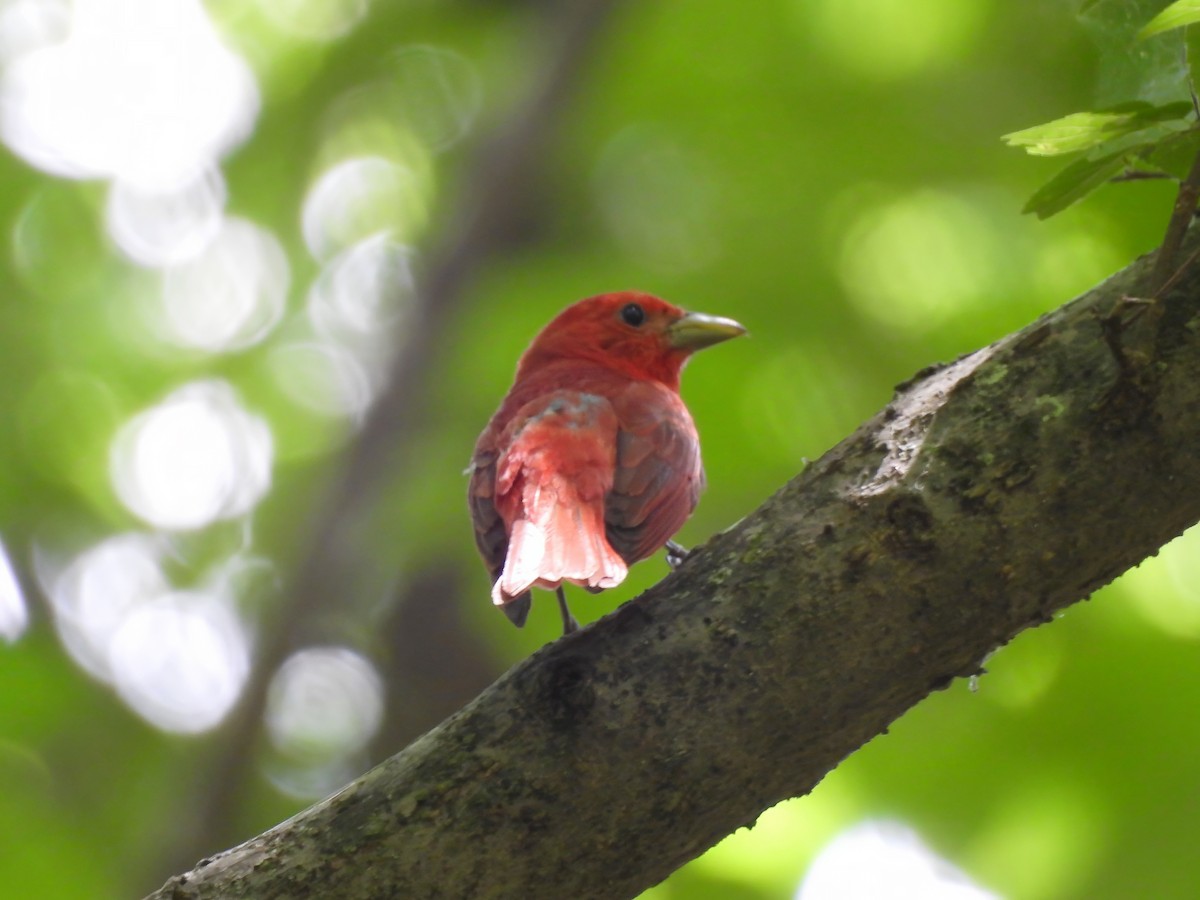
658,476
491,534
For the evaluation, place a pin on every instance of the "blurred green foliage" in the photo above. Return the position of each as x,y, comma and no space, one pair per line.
830,173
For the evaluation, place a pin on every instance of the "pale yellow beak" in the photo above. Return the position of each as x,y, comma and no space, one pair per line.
696,331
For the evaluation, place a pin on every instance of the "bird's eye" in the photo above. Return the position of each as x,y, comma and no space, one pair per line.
633,314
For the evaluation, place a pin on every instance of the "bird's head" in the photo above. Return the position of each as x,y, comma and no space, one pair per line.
635,333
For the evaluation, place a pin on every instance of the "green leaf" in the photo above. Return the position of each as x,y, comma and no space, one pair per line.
1191,50
1153,70
1086,130
1174,155
1178,14
1072,184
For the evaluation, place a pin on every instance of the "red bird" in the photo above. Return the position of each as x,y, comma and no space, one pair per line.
592,461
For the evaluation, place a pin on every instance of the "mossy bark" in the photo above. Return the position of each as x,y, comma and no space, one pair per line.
988,494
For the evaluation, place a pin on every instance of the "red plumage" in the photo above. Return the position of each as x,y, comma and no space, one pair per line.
592,461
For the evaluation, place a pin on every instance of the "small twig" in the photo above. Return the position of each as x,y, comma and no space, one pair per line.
1191,82
1164,271
1179,273
1112,327
1141,175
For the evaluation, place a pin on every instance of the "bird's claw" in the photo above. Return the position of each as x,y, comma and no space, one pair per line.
676,554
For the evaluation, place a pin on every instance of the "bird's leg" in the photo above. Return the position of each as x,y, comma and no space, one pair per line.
676,554
569,623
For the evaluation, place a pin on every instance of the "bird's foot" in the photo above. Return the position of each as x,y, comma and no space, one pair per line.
570,626
676,554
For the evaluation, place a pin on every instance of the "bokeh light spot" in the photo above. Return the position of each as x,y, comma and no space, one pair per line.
324,378
193,459
1021,673
1055,826
97,590
56,248
231,295
884,859
1069,261
358,198
180,660
141,90
159,227
362,292
177,658
27,25
325,701
887,39
325,704
314,20
915,260
1165,590
14,617
783,840
356,308
438,94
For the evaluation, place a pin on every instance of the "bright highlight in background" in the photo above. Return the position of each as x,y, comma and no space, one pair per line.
323,378
359,197
94,593
160,227
1166,589
142,91
195,458
325,701
314,20
363,293
356,308
325,704
231,295
181,659
875,860
915,260
888,39
177,658
26,25
440,93
13,616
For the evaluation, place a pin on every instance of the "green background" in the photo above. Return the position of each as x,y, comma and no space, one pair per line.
828,172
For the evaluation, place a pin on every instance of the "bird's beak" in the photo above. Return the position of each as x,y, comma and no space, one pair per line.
697,330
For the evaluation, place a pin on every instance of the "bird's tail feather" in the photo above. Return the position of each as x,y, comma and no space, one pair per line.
558,542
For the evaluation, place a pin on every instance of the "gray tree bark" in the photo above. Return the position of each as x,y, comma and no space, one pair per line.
988,494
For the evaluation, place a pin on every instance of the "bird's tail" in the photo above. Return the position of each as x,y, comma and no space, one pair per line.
557,542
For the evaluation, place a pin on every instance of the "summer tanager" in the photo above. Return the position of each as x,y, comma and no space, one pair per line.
592,461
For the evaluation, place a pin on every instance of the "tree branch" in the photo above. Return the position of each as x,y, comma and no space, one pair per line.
987,495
